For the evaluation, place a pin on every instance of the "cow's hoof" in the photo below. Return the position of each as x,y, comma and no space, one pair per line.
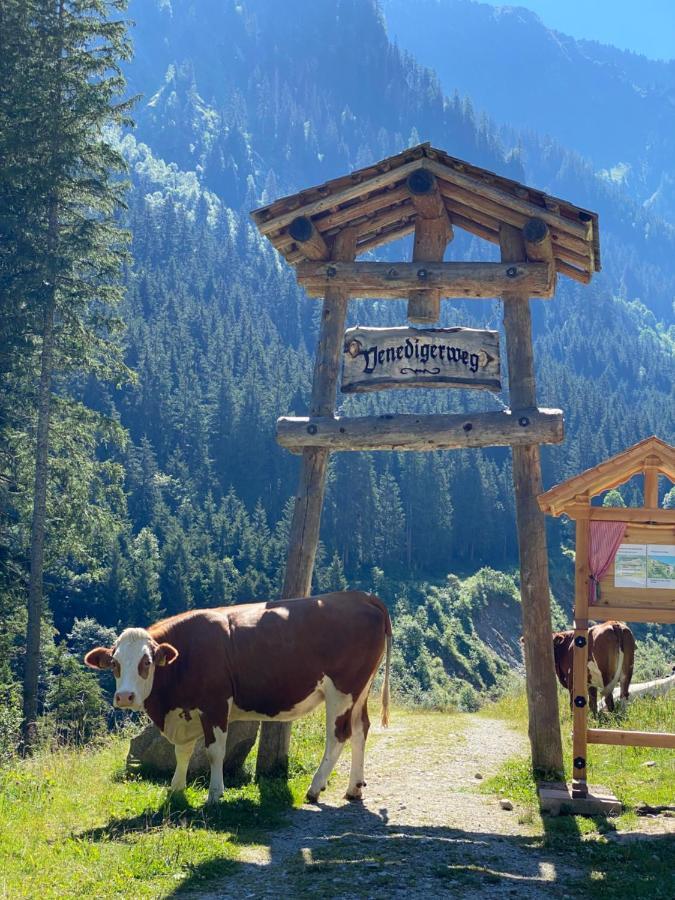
354,798
213,798
312,798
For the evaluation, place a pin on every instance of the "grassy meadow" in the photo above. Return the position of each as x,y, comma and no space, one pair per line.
73,822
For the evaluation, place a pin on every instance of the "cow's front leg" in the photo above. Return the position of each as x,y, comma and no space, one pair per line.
215,740
183,754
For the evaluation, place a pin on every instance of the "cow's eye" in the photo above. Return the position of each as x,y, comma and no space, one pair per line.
144,667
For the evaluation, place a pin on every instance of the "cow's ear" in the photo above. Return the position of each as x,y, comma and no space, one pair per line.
165,654
99,658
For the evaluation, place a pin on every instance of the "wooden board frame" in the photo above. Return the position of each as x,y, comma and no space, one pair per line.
644,525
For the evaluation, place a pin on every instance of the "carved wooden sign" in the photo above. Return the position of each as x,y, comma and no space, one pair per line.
377,359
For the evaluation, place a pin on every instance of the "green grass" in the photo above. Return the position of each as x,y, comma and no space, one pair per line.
619,867
72,823
622,769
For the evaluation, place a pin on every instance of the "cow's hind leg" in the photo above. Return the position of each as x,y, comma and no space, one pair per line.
593,699
215,741
338,729
360,726
183,754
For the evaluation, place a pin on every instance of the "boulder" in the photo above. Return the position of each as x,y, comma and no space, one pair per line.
150,750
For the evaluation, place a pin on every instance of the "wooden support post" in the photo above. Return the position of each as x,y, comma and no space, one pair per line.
651,487
542,694
433,231
580,661
275,737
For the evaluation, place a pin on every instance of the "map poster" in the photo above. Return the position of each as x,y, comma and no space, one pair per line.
630,566
661,566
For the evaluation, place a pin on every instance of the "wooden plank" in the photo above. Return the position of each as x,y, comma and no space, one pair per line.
633,597
620,738
329,200
632,514
633,614
582,231
371,241
541,685
558,799
453,279
573,273
473,205
304,531
376,359
411,432
377,202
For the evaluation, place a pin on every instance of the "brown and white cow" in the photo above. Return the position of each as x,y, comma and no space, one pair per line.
611,651
197,671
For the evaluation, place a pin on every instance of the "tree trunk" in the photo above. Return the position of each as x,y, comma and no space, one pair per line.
32,661
38,526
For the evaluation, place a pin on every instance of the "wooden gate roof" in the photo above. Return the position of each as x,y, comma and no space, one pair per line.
652,452
377,201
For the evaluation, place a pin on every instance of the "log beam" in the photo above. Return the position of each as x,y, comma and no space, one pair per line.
459,280
275,737
306,235
542,691
433,231
411,432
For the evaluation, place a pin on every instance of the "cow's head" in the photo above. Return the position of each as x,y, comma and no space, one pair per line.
562,648
132,658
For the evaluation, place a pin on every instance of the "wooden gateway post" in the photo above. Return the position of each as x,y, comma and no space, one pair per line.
624,570
322,231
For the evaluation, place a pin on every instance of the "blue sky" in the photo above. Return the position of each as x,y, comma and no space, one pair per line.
646,27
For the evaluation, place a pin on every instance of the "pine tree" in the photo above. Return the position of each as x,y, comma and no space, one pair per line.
67,262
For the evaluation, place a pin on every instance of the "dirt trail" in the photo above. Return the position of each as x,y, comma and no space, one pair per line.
423,829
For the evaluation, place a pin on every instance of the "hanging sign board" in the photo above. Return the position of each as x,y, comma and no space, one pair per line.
377,359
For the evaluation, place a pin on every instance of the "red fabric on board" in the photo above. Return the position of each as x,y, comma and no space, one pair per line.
604,541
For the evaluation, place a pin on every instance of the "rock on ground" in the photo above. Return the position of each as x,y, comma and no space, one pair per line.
151,750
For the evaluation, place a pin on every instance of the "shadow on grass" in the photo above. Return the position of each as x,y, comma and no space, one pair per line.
240,817
353,851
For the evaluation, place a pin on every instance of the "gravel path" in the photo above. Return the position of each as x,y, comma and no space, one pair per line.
423,829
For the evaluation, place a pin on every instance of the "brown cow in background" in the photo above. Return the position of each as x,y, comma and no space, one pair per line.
611,651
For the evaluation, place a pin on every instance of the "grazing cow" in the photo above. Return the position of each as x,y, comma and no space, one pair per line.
276,661
611,650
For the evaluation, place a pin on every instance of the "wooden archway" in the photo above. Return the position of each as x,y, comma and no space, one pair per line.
321,231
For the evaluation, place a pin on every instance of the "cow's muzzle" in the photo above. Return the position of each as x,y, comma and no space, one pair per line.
125,700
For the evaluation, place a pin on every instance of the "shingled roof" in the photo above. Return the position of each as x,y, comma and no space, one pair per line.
377,201
652,451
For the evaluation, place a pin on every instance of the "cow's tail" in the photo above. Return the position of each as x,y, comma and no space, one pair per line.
617,628
385,683
386,693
